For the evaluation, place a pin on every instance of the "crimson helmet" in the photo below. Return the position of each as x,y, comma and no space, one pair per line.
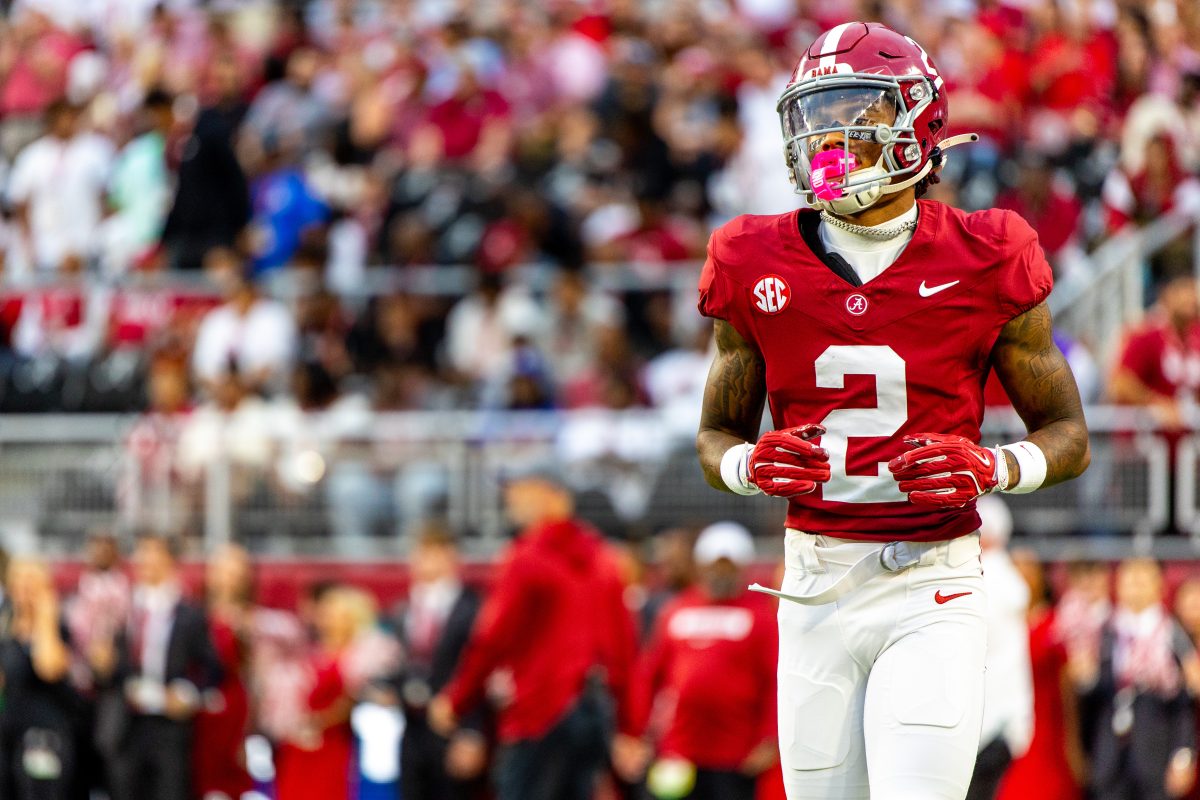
872,86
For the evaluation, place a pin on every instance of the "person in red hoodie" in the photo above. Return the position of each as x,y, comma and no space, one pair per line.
556,636
707,679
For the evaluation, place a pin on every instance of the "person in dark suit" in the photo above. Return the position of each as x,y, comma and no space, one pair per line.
1144,743
42,714
434,626
165,663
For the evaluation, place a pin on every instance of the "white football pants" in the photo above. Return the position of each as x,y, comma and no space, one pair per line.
881,691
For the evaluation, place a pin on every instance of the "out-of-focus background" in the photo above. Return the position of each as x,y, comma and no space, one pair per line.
309,278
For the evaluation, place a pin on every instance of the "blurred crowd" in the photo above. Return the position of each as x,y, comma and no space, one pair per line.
574,668
254,144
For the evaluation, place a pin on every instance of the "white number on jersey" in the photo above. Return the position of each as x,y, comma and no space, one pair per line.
889,413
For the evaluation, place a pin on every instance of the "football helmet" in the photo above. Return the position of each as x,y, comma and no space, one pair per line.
864,115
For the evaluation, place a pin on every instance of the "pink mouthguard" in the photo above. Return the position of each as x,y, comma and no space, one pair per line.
829,167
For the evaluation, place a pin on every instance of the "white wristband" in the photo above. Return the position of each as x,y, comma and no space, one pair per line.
1032,462
735,469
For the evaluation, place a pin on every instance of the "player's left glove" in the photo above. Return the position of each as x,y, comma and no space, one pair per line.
945,471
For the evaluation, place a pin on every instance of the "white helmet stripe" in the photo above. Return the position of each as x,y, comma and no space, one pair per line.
833,40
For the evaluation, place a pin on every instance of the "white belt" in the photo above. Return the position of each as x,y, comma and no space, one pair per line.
892,557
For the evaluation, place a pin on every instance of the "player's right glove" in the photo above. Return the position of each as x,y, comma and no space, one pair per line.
785,463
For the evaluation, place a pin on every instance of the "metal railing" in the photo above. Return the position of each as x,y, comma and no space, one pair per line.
1098,302
364,492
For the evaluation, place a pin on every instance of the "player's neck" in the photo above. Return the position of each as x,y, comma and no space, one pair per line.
880,213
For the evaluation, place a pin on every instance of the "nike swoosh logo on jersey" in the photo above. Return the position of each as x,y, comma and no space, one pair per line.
930,291
940,598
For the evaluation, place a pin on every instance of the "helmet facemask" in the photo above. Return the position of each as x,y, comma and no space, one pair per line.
864,117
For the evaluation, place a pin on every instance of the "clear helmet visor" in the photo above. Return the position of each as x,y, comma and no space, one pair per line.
845,109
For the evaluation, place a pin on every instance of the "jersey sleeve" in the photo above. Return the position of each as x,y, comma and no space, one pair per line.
721,297
1025,277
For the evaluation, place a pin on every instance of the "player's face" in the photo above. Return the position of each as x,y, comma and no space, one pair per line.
858,109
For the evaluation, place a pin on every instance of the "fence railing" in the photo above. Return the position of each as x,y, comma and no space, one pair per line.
1098,301
318,486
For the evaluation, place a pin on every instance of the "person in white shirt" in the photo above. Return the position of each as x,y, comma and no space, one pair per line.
255,334
1008,688
57,188
482,327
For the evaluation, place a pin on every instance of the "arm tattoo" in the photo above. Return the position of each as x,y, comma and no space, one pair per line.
733,400
1039,382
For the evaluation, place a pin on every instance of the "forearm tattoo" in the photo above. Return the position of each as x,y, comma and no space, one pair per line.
733,400
1039,382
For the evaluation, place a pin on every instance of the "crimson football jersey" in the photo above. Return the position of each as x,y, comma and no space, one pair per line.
907,352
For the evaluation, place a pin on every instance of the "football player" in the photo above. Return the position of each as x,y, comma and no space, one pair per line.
870,324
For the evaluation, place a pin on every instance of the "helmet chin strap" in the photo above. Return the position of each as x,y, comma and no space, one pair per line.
869,195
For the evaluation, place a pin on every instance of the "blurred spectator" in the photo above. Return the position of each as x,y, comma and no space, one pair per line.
249,332
561,677
315,760
676,569
212,201
1008,691
321,323
139,188
36,56
1054,764
284,209
470,116
165,663
1145,745
656,236
41,722
287,112
1187,608
753,182
95,616
1159,365
483,328
97,611
711,666
675,379
153,466
1149,186
68,320
57,188
231,428
1082,612
309,427
1050,206
218,751
577,317
434,626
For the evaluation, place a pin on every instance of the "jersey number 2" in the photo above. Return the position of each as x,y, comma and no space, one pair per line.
889,413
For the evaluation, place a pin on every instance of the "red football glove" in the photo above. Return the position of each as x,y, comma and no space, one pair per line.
944,471
785,463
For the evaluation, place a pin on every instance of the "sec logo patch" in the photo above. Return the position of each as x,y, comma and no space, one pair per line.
856,304
772,294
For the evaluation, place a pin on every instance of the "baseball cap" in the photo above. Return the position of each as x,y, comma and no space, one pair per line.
724,540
